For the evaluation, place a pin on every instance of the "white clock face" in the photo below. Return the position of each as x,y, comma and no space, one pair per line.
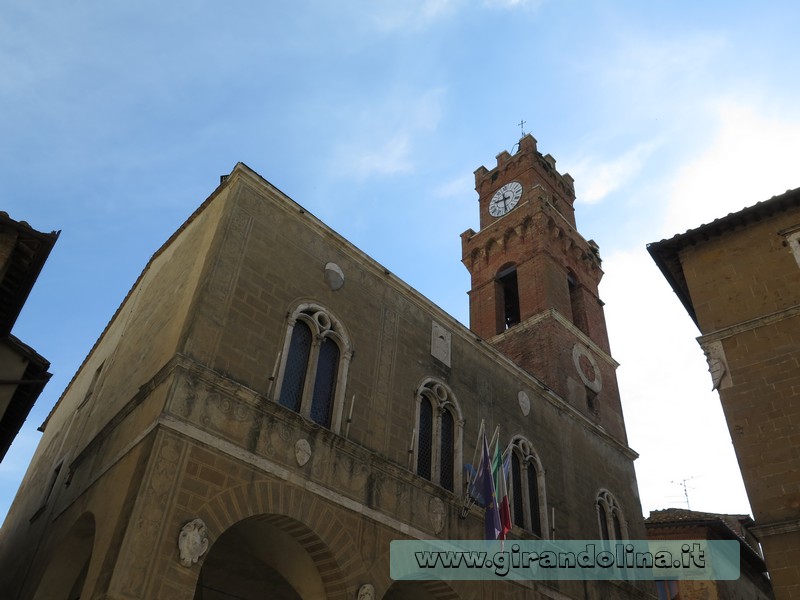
505,199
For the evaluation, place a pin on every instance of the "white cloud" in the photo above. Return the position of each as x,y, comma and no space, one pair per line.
513,3
410,15
653,79
752,158
458,188
389,157
385,137
665,389
663,377
413,15
597,179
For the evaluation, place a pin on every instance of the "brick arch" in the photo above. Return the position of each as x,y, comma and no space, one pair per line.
474,256
491,247
440,590
310,520
436,590
526,227
508,234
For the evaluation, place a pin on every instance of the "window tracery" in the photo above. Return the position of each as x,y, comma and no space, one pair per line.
526,488
439,435
315,360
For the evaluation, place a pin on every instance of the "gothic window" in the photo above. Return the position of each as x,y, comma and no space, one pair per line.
610,517
508,297
439,435
294,375
446,457
425,446
526,488
314,365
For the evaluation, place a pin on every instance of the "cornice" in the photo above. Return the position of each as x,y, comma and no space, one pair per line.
778,528
749,325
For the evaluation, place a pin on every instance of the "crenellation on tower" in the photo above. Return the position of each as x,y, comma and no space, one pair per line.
247,409
535,281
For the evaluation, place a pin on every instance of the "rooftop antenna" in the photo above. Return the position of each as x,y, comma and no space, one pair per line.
685,487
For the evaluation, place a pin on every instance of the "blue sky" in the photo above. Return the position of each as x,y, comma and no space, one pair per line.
117,119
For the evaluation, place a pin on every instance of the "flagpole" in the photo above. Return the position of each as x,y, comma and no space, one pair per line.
468,499
274,373
350,417
495,437
411,447
481,431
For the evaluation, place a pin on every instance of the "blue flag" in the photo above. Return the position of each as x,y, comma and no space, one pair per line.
482,490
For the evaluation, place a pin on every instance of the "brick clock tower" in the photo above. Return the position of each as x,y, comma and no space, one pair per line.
534,283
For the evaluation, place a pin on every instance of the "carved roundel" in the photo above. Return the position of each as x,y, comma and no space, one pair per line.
524,403
302,451
437,514
587,368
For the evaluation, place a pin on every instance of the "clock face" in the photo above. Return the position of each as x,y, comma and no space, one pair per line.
505,199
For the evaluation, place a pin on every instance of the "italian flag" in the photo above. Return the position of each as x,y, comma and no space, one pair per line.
500,472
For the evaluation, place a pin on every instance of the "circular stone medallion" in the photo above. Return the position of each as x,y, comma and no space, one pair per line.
524,403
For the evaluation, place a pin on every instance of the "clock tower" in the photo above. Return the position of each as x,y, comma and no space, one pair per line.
534,283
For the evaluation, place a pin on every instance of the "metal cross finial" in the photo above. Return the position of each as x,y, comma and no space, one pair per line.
521,128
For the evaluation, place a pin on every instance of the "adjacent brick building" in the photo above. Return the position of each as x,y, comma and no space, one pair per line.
684,524
269,408
739,279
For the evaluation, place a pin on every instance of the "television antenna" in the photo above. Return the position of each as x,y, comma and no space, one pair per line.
686,489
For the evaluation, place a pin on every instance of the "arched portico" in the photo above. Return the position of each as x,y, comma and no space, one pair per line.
265,556
277,541
66,571
419,590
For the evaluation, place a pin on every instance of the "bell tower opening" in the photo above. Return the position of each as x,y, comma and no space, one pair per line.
534,282
508,297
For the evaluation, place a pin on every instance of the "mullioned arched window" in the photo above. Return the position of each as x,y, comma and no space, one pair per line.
313,372
440,429
526,488
610,518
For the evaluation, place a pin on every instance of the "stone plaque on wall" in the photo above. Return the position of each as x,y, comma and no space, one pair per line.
440,343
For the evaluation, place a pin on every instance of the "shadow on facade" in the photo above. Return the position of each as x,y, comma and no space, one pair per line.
66,572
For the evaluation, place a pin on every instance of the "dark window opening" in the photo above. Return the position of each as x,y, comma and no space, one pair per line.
617,526
325,383
603,522
516,483
533,500
509,290
425,444
296,365
446,456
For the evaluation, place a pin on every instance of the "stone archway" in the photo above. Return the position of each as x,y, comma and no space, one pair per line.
265,556
419,590
66,571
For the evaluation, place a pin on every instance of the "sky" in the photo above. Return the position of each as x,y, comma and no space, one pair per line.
118,118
